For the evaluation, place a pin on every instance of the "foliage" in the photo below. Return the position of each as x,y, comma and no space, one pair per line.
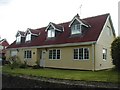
37,65
115,52
23,65
14,62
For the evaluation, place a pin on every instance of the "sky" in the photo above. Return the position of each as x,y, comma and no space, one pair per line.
22,14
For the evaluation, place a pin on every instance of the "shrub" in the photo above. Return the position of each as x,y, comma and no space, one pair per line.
115,52
37,65
14,62
24,65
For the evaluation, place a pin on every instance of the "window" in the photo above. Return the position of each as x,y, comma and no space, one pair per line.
18,39
76,29
54,54
81,53
104,54
51,33
28,37
28,54
14,53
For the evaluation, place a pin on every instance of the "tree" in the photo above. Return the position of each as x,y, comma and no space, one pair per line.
115,52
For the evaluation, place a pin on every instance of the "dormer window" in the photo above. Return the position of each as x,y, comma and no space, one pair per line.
77,25
18,39
28,37
76,29
51,33
53,29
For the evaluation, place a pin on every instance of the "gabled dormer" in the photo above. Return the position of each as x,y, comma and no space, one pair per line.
77,25
53,29
20,37
31,34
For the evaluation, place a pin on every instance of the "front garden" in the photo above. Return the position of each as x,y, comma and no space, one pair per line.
103,76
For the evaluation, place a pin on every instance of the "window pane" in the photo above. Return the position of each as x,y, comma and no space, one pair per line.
58,54
51,33
104,54
75,53
86,53
50,54
25,54
75,29
81,53
54,54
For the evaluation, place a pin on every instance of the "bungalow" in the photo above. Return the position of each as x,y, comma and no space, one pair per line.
78,44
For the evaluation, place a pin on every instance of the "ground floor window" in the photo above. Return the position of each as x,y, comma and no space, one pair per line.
81,53
28,54
54,54
104,54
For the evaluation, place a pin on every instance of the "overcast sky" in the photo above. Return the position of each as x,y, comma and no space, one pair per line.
22,14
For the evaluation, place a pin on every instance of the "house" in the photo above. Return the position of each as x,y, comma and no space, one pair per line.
78,44
3,45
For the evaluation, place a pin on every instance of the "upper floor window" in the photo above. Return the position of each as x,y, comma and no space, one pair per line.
18,39
76,29
51,33
28,37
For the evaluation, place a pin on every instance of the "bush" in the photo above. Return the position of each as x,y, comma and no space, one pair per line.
36,67
115,52
14,62
24,65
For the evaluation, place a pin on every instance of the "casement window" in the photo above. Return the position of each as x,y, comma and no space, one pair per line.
81,54
51,33
13,53
104,54
76,29
28,54
28,37
18,39
54,54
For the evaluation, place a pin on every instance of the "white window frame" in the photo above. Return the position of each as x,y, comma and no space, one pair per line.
82,54
51,33
13,53
27,53
55,54
28,37
75,29
18,39
104,54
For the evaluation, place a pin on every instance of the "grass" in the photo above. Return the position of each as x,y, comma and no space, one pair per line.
103,76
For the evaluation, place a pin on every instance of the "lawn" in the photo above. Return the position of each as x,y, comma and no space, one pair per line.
104,76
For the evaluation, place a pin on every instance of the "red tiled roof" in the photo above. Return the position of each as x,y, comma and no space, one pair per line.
92,33
3,42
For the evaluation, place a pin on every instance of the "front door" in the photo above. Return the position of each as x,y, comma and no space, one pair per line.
42,58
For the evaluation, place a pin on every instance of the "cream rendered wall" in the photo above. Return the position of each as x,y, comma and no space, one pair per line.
67,60
20,54
104,41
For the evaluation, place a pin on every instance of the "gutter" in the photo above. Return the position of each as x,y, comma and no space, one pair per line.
58,45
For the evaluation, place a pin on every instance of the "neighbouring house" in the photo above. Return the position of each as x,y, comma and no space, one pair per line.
78,44
3,45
